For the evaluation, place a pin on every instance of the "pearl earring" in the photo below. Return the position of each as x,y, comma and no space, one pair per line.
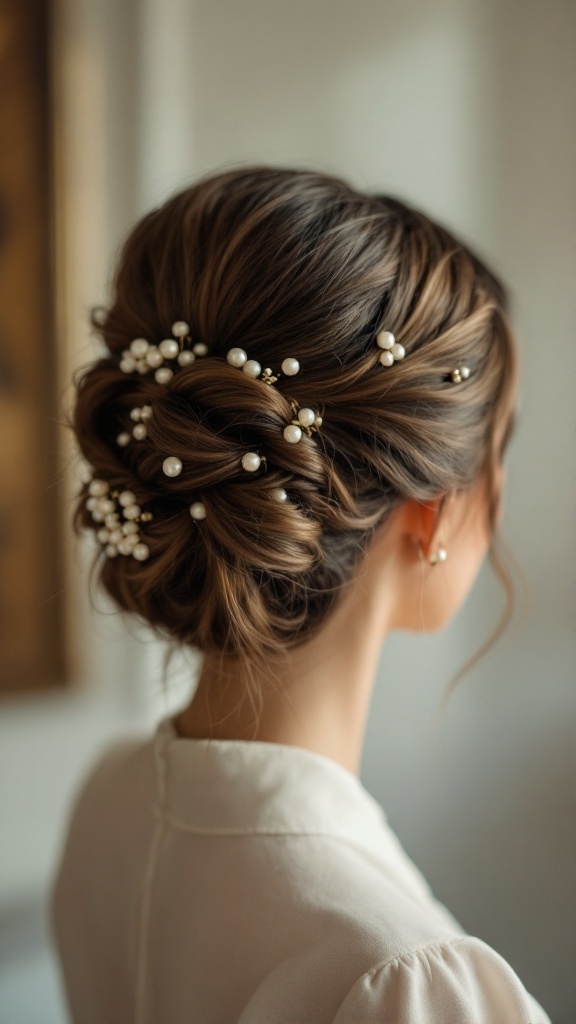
440,555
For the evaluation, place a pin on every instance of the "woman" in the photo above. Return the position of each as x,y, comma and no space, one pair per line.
296,444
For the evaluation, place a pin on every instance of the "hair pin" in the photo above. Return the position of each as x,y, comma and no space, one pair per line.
392,350
143,357
117,538
460,373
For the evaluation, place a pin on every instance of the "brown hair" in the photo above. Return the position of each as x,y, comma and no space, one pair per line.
290,263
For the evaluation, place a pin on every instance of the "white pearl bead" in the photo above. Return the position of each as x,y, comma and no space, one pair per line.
116,536
442,554
200,349
126,498
141,552
465,372
251,461
124,547
84,471
111,550
385,339
123,439
172,466
292,433
135,414
140,431
91,504
279,494
103,535
142,366
127,364
99,315
105,506
186,358
130,540
98,488
163,375
169,348
290,366
252,368
132,511
154,357
130,528
398,351
111,520
386,359
236,357
98,516
306,417
139,347
198,510
146,412
180,329
318,421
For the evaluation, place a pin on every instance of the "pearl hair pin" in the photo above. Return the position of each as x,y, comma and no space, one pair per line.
139,416
143,357
106,506
251,367
460,373
172,466
303,420
392,350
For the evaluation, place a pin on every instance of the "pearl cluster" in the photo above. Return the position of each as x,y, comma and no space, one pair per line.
460,373
251,367
303,419
392,350
139,415
117,538
143,357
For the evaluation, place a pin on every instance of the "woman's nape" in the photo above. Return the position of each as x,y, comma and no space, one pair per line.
317,696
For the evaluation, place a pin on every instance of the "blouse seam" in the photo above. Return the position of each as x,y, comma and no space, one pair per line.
170,819
412,952
144,924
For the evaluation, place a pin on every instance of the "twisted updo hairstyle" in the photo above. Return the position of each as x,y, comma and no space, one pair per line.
288,263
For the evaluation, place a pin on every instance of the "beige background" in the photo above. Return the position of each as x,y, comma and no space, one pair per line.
466,108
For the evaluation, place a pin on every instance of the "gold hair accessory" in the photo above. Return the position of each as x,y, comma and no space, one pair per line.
460,373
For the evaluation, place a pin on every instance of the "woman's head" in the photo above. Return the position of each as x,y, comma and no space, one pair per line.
286,263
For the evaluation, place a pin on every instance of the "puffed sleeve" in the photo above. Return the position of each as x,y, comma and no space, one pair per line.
455,981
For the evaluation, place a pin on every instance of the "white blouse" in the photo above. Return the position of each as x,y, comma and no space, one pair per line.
244,882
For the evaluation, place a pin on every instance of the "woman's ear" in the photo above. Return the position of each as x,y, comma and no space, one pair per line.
422,520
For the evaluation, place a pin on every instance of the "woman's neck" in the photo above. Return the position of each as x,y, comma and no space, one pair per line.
317,697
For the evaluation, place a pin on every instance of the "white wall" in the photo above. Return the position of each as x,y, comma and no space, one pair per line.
466,109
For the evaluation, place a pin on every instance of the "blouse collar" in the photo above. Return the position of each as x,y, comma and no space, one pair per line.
223,786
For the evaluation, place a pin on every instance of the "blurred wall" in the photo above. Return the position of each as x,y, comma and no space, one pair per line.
467,109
